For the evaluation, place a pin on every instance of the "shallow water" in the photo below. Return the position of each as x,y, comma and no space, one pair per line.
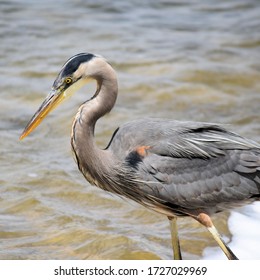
186,60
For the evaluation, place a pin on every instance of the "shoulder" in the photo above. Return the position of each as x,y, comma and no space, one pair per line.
176,139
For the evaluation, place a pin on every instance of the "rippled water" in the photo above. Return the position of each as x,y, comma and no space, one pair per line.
186,60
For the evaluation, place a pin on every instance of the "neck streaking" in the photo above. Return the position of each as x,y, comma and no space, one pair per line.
92,161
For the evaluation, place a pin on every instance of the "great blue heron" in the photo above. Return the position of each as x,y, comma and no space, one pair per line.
175,168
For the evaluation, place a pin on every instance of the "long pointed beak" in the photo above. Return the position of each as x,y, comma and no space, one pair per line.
53,99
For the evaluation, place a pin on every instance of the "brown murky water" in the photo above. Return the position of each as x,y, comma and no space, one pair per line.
186,60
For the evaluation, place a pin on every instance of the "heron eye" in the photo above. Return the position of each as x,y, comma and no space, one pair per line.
68,80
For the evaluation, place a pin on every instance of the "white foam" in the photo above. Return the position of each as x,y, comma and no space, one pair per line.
244,226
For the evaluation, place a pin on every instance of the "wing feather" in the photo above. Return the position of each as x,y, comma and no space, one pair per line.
191,165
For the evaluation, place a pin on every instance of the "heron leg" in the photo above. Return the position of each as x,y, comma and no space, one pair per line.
205,220
175,239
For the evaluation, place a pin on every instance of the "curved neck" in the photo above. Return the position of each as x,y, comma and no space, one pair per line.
103,100
91,160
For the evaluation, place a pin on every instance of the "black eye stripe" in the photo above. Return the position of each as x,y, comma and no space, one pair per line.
73,63
70,67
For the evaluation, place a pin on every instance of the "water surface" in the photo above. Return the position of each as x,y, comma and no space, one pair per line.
186,60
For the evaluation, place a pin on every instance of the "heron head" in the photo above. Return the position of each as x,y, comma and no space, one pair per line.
74,74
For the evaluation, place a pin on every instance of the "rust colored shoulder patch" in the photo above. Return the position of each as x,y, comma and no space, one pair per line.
142,150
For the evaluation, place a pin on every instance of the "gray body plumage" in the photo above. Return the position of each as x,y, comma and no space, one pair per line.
190,165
